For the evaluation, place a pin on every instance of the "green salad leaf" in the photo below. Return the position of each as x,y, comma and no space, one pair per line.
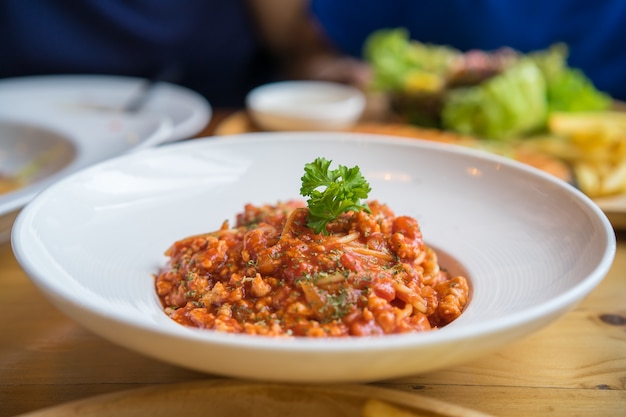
332,192
568,89
510,104
572,91
511,94
400,63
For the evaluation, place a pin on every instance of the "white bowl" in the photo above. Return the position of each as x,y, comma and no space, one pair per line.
93,241
305,105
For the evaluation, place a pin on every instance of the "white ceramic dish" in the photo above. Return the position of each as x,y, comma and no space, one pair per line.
305,105
29,155
76,95
227,398
86,111
532,246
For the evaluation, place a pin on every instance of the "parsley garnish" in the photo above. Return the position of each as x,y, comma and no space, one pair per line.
342,191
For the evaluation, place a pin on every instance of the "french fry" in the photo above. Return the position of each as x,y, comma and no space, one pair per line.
597,143
614,180
581,123
588,179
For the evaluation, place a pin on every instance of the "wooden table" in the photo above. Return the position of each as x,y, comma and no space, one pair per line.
574,367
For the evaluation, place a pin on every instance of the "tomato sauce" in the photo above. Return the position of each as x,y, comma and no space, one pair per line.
272,275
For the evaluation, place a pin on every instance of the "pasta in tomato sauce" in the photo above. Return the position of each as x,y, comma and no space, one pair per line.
272,275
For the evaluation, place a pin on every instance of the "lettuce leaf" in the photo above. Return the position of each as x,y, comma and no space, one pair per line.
568,89
510,104
400,64
572,91
513,100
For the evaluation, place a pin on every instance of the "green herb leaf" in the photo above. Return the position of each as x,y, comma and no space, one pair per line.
332,192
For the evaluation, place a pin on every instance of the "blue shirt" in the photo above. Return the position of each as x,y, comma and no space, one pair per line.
595,31
211,43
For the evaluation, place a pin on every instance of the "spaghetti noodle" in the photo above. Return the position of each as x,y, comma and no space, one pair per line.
272,275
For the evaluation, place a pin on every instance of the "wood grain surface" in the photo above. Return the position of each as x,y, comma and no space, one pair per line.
576,366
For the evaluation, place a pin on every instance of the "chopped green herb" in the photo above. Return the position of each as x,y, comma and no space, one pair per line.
342,191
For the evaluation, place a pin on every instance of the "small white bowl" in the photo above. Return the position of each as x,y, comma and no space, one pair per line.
305,105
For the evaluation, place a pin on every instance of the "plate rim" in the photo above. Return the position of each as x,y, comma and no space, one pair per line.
203,110
117,401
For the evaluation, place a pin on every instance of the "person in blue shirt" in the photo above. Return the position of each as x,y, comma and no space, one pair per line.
222,49
219,48
595,31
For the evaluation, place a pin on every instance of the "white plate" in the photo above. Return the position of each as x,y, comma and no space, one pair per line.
75,95
85,110
93,241
75,142
226,398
